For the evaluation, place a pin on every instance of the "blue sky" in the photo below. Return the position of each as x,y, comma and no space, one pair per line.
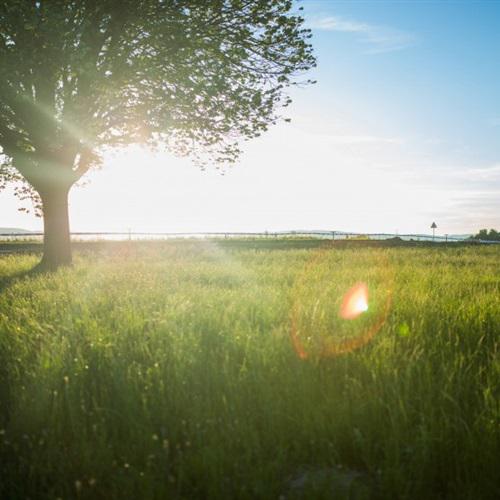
402,129
431,69
426,75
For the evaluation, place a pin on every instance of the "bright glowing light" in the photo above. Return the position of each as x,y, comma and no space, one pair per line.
315,333
355,302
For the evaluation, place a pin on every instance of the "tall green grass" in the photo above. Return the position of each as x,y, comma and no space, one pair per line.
166,370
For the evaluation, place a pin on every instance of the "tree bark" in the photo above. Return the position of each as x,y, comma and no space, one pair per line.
56,235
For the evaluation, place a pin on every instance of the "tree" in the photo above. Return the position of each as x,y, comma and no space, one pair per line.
483,234
79,76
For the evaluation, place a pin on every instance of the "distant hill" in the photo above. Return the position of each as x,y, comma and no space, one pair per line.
14,230
461,236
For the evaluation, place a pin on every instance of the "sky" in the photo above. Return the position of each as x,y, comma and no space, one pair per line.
401,130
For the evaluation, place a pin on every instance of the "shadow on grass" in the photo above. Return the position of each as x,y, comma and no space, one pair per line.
5,354
11,279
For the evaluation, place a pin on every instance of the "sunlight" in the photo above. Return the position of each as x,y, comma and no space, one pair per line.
355,302
144,191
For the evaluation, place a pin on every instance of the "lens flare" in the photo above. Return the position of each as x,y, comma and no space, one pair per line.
339,303
355,302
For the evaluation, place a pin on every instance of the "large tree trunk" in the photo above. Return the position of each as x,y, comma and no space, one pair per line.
56,236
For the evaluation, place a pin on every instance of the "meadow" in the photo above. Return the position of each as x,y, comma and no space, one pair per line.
210,370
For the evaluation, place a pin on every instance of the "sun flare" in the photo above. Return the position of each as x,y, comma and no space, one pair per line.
355,302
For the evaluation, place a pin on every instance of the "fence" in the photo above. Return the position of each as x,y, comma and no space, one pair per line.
331,235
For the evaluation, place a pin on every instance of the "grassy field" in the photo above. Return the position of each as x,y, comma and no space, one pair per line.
211,370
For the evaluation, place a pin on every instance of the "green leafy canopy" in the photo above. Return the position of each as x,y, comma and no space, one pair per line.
195,76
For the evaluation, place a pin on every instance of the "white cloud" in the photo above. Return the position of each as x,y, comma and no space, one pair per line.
333,23
475,210
378,38
470,195
363,139
483,173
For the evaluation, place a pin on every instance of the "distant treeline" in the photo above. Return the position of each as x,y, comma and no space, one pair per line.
484,234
